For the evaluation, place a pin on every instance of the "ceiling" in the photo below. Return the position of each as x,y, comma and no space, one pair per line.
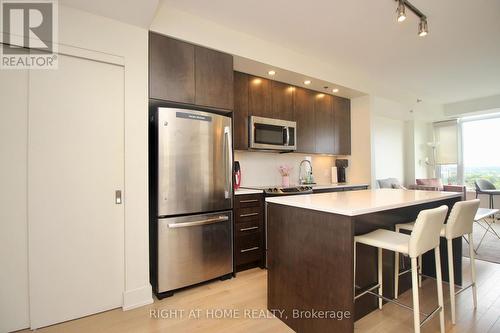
458,60
135,12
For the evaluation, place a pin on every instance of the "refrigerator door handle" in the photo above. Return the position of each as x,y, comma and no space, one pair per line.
229,162
197,223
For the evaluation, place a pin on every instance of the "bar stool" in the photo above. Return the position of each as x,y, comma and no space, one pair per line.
484,186
459,224
424,238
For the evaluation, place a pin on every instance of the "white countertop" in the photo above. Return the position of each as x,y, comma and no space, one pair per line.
352,203
339,185
242,191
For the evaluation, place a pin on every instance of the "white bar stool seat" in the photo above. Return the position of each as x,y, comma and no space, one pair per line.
460,223
425,237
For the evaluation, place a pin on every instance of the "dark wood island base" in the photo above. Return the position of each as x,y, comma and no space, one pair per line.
310,264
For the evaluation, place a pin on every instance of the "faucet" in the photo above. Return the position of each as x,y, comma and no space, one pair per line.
308,177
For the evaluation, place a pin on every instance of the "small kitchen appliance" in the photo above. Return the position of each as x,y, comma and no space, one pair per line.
341,165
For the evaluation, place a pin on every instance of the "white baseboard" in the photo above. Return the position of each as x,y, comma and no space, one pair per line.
138,297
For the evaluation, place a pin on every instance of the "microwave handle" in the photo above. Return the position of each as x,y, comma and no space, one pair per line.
287,134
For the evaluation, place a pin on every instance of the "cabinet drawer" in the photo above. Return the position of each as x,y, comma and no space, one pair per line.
248,200
248,214
249,248
245,228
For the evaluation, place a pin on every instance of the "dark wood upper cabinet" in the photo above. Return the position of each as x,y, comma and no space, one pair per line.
259,97
342,122
304,116
171,69
324,120
214,78
184,73
282,101
240,113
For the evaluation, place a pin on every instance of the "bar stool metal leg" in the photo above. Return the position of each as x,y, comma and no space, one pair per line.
473,269
451,273
439,282
414,284
380,278
396,274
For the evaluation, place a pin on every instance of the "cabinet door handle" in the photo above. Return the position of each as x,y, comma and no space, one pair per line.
250,249
250,214
249,201
250,228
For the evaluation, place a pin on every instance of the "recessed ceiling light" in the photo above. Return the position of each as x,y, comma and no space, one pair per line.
271,73
307,82
401,11
335,90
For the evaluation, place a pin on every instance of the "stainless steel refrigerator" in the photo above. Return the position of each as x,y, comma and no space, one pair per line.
193,198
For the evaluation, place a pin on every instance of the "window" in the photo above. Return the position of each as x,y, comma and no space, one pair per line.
445,151
481,154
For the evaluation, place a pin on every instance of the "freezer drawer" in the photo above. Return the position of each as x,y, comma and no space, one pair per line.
193,249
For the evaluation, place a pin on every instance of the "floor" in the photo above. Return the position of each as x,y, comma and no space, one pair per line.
490,247
244,299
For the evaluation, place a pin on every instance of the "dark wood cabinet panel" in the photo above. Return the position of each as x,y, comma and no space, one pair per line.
324,120
249,233
240,112
259,97
214,78
282,101
304,116
171,69
342,122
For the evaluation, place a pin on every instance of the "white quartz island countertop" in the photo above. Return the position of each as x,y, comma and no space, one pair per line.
352,203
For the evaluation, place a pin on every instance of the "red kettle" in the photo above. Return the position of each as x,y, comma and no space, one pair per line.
236,175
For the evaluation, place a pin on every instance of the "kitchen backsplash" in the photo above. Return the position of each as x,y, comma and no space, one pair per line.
261,168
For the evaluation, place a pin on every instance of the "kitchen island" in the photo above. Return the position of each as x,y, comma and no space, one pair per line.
310,253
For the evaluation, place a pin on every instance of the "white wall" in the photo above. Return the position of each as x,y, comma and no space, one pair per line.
361,160
388,145
85,31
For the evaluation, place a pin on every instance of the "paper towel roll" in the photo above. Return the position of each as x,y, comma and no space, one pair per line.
334,175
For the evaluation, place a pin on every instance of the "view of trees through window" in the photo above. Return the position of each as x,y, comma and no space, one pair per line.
481,153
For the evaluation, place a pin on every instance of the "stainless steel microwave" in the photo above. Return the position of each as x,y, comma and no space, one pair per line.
272,134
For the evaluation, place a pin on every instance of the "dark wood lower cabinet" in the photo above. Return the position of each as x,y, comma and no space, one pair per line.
249,250
311,261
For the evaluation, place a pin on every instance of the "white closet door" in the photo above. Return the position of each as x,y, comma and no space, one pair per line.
75,164
14,311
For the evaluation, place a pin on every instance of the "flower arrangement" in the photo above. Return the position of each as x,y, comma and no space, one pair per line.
285,170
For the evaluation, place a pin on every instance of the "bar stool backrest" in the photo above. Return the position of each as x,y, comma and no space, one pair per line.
425,234
461,218
484,185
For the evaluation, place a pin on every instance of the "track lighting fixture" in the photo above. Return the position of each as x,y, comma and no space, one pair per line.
401,11
423,29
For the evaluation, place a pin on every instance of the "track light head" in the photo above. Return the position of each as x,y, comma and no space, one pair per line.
401,11
423,29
